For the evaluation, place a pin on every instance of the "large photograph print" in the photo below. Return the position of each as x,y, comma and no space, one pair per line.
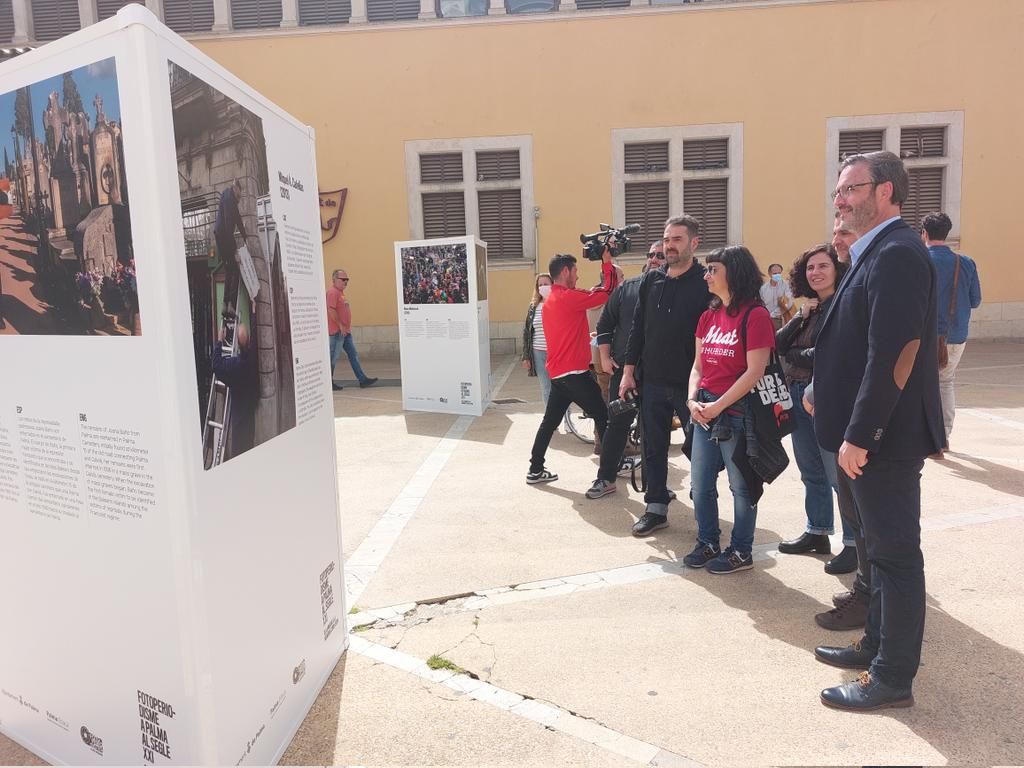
241,328
66,261
435,274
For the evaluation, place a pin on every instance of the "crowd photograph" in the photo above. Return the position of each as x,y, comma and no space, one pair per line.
435,274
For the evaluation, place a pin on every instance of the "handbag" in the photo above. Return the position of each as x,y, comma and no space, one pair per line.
943,351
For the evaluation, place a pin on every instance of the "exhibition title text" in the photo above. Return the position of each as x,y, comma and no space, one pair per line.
287,180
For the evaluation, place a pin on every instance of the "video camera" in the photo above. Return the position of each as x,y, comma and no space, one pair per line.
594,245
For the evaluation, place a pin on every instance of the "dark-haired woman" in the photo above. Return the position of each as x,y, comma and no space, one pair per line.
814,276
735,337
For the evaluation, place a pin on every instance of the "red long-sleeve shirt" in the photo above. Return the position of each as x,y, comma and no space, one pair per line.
565,323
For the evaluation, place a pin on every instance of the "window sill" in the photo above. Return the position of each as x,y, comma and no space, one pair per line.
509,265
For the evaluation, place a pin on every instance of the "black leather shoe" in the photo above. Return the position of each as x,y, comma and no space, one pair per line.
336,386
368,382
844,562
855,656
649,524
865,694
807,542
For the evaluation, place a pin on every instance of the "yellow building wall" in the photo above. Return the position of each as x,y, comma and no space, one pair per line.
568,81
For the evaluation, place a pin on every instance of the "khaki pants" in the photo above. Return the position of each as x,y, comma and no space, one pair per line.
947,386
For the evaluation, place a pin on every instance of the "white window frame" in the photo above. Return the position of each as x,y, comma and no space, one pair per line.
952,164
675,175
468,147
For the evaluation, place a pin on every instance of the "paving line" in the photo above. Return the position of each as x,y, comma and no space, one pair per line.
989,367
979,413
546,714
364,562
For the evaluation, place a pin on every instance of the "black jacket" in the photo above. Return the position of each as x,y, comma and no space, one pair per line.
793,355
663,337
866,347
617,317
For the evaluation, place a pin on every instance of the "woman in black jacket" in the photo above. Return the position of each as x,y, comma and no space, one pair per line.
814,277
535,349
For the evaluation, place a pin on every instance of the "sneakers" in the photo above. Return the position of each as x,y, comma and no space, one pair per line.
369,381
649,524
626,467
532,478
599,488
731,561
701,555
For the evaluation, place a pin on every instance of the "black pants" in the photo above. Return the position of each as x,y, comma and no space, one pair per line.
579,388
616,435
888,497
848,511
658,403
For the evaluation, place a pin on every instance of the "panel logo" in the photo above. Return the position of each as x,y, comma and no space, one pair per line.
92,741
299,672
57,720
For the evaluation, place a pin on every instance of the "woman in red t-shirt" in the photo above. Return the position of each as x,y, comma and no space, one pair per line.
724,370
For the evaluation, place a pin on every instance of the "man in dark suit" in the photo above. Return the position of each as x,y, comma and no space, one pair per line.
877,405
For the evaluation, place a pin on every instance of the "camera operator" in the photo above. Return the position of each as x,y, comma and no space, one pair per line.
568,364
612,335
662,343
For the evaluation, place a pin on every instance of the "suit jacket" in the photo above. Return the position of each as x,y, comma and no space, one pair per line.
885,302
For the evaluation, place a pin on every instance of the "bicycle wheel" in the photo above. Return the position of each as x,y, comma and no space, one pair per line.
579,424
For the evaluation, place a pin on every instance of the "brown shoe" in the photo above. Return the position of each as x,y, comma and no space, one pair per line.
851,614
841,597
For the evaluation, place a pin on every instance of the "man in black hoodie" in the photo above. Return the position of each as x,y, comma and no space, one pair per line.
660,354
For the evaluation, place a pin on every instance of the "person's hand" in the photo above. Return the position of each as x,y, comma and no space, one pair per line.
808,405
526,364
608,365
606,255
852,459
699,414
628,383
808,306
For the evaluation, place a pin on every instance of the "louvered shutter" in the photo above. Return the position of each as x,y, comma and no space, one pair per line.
392,10
502,165
312,12
647,205
708,200
54,18
184,16
590,5
441,169
705,154
645,158
6,21
255,14
501,222
925,195
107,8
444,214
859,142
923,142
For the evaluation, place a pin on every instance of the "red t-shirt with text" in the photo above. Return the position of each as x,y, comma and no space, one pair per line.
722,356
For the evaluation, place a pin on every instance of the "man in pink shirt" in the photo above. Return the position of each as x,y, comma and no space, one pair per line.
339,328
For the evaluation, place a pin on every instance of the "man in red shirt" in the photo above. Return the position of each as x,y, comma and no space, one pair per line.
339,328
568,339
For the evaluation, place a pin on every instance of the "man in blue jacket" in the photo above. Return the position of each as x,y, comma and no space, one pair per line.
958,292
876,383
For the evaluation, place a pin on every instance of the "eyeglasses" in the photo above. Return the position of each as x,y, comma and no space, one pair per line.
845,192
343,279
656,255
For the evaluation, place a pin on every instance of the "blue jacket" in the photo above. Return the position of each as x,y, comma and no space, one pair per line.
968,292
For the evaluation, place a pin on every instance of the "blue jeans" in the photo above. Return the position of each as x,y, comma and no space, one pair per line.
706,463
817,471
540,360
343,341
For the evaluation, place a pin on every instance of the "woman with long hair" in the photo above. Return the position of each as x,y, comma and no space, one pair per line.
735,338
535,350
814,277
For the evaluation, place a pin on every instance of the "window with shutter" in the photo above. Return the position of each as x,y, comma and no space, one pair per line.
441,169
107,8
6,21
392,10
705,154
647,205
502,165
859,142
185,16
501,222
313,12
646,157
54,18
925,195
531,6
923,142
589,5
708,200
444,214
255,14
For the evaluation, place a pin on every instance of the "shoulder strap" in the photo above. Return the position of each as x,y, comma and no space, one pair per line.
743,328
952,294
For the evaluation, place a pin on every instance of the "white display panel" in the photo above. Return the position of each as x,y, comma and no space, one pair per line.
444,327
173,590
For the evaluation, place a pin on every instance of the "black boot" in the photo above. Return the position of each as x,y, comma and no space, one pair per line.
844,562
807,542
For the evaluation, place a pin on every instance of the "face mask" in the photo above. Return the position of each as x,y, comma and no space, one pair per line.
777,278
544,290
